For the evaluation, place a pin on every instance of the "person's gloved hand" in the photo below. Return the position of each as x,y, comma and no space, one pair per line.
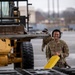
57,53
42,50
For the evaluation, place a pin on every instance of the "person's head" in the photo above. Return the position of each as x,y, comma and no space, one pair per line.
56,34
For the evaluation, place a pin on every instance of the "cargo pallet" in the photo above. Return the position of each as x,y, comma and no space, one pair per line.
68,71
19,71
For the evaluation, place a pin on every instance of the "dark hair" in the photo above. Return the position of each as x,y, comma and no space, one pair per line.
56,30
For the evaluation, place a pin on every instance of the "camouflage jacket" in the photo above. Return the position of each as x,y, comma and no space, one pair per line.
60,46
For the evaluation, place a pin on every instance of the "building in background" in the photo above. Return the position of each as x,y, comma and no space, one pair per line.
32,16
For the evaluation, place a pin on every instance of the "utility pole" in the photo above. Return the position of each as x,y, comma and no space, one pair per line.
58,11
49,11
58,7
53,8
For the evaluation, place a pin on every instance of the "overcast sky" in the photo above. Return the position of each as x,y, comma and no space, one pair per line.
43,4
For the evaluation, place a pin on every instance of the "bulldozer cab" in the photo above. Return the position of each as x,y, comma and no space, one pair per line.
10,17
9,12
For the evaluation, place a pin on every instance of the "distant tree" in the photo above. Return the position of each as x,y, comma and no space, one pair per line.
40,16
69,15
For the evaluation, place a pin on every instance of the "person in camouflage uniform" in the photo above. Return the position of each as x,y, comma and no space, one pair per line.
46,39
57,47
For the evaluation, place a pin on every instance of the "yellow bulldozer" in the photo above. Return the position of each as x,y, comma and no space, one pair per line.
15,46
